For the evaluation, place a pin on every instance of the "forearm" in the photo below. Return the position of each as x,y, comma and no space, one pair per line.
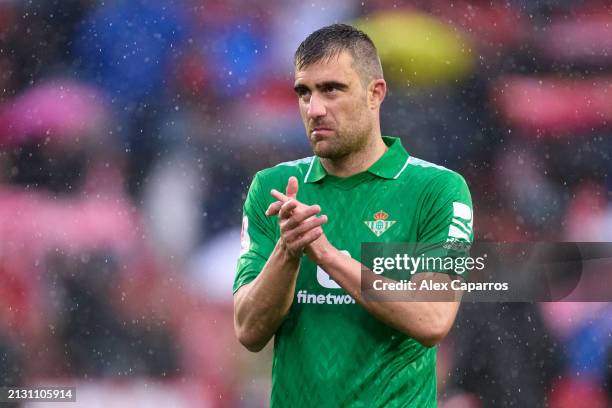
426,321
260,306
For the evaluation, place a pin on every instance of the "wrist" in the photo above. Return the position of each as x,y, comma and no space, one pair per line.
286,254
320,251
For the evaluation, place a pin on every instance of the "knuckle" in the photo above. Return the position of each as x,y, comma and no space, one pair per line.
307,227
309,224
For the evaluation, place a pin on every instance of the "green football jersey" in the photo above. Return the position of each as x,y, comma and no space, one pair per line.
329,351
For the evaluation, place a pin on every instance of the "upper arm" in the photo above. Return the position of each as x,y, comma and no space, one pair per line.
445,231
257,237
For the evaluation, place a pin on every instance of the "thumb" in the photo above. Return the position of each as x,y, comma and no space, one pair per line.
292,187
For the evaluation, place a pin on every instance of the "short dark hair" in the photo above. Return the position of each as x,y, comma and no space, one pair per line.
330,41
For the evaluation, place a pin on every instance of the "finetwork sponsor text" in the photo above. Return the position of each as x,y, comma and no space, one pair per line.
311,298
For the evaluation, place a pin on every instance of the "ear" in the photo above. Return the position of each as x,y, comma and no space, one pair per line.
377,89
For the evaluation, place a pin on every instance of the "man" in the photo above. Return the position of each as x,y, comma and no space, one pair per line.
299,276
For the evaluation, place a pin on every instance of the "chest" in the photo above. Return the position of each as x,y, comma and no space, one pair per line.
368,212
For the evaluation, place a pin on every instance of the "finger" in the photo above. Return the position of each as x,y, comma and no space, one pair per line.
278,195
304,227
299,215
292,187
308,238
286,210
274,208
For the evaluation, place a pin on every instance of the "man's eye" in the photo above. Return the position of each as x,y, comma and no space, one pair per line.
301,93
329,89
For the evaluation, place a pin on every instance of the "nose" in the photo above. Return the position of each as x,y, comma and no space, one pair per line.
316,107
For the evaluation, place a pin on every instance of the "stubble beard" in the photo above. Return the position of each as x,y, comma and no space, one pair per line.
342,144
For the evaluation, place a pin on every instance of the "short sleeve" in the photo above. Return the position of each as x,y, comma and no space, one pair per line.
446,224
257,236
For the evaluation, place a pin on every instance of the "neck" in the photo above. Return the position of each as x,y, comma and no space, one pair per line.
358,161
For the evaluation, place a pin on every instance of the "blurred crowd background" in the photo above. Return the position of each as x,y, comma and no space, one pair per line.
130,131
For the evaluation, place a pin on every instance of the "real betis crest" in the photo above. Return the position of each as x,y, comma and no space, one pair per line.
380,223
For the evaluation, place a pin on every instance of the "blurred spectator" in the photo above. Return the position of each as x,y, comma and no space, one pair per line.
504,354
125,48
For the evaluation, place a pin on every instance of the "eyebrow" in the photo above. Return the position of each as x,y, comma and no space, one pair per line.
327,84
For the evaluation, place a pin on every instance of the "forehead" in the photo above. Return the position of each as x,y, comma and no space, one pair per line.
337,68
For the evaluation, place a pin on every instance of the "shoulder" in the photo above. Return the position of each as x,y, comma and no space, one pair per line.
275,177
430,174
282,171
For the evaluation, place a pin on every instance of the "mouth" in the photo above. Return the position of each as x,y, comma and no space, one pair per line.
320,130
